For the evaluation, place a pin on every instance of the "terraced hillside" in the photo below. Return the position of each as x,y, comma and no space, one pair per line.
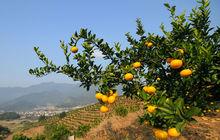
91,116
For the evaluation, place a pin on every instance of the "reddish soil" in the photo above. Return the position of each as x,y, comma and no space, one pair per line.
207,128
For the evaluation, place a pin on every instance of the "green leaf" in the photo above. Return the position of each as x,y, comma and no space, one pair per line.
193,111
169,103
167,5
161,101
173,10
169,117
165,110
215,67
179,113
180,126
140,29
179,103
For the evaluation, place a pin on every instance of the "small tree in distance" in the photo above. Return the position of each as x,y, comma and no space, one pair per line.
176,74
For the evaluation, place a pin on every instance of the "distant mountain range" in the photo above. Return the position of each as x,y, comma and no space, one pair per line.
57,94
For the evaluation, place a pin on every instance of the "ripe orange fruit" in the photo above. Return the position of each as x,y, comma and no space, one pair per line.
111,99
128,77
103,109
181,51
169,60
160,134
148,44
173,132
98,96
149,89
115,94
176,63
74,49
104,98
185,73
151,109
136,65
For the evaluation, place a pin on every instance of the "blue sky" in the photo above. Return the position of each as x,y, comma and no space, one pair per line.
28,23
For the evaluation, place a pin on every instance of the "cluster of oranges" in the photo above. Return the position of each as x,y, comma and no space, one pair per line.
163,135
177,63
109,98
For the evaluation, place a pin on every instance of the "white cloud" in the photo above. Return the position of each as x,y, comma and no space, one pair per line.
98,54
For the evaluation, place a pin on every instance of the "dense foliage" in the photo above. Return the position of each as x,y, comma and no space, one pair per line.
4,131
56,132
177,74
82,130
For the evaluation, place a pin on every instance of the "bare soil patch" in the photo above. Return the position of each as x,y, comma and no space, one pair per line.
128,128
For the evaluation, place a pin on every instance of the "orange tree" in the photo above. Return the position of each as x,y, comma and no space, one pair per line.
177,74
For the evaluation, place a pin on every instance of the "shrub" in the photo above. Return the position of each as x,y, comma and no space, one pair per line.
170,114
4,131
56,132
41,118
62,115
20,137
96,122
82,130
121,111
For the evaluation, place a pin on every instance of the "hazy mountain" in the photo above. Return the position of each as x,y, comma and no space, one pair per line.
10,93
18,99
